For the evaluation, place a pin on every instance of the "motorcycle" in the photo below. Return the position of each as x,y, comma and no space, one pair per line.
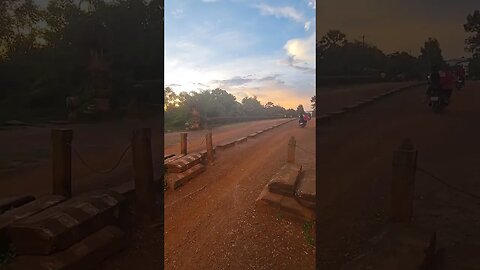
303,122
460,84
438,102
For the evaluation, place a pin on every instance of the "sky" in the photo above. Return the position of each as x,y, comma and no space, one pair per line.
399,25
248,47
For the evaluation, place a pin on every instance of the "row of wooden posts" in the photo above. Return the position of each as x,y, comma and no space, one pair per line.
208,142
142,165
403,174
142,168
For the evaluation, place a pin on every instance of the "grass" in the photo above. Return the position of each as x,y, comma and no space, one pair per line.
307,233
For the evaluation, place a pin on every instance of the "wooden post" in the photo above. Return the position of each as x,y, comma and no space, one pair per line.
291,150
62,162
403,182
143,175
183,143
209,143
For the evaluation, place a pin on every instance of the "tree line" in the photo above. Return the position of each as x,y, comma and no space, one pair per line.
216,103
86,48
339,57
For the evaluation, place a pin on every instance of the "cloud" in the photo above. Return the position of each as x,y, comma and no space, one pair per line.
243,80
312,4
301,53
177,13
281,12
294,63
284,12
307,26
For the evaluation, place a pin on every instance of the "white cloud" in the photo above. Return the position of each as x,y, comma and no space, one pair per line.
312,4
301,50
177,13
281,12
284,12
307,25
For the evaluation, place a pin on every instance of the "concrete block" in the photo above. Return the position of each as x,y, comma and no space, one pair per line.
270,198
241,140
64,224
176,180
13,202
284,182
171,159
29,209
165,157
226,145
306,189
184,163
86,254
288,206
295,210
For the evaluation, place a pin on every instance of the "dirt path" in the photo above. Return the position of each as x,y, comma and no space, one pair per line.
355,164
220,227
220,134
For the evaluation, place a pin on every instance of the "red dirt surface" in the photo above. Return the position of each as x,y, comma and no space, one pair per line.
219,226
355,174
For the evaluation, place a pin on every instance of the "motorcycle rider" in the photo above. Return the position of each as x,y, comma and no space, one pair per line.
302,113
434,83
461,74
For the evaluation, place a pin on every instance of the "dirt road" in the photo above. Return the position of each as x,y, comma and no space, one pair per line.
25,152
355,166
219,227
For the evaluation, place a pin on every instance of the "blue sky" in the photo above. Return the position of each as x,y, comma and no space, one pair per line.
261,48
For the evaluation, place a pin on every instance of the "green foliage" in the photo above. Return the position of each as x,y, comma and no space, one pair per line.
307,233
211,104
431,54
472,43
472,27
46,55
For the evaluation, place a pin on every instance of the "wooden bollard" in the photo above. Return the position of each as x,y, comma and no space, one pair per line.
209,143
143,175
403,182
183,143
291,150
62,162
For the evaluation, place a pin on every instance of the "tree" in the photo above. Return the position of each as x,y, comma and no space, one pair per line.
472,43
252,106
472,27
431,54
18,27
333,38
404,63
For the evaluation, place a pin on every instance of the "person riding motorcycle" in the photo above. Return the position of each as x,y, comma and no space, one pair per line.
302,114
461,74
434,83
